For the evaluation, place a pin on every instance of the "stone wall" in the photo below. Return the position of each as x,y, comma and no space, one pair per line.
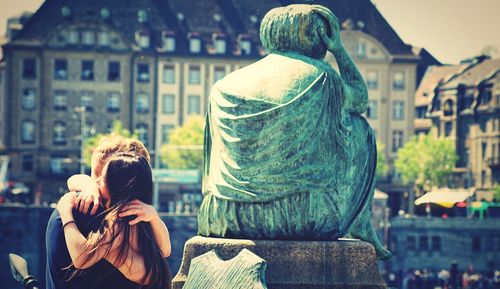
22,231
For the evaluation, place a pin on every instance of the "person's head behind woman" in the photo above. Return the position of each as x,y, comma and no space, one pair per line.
127,177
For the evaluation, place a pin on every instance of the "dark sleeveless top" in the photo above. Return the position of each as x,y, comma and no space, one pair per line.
102,275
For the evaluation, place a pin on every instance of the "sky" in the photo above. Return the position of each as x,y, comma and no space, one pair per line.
451,30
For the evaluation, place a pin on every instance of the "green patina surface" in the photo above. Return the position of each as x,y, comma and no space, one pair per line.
287,153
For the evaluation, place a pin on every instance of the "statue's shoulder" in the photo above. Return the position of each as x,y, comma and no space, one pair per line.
274,77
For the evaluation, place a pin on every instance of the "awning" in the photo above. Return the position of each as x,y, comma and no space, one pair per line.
379,195
445,197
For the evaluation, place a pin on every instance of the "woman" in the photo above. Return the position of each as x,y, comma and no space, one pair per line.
122,253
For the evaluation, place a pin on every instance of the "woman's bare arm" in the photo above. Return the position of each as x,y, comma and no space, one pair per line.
147,213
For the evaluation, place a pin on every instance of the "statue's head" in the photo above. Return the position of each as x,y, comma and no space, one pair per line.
294,28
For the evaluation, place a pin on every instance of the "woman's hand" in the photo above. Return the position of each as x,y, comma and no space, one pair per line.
88,196
65,205
144,212
333,42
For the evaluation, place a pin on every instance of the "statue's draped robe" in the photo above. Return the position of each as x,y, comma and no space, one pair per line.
282,160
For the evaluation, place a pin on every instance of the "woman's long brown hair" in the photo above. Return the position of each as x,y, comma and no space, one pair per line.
129,177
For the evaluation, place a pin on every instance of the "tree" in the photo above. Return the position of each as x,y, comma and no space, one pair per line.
496,194
185,143
426,161
382,166
92,142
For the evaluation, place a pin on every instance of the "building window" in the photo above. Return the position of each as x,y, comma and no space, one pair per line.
436,243
142,38
193,104
245,46
165,130
361,49
220,44
88,129
372,79
29,68
448,107
113,103
73,37
219,73
142,133
28,101
423,243
194,45
194,74
142,103
168,39
27,162
113,71
398,110
142,72
398,80
58,165
168,104
484,147
482,125
87,99
448,126
372,111
476,244
87,70
103,38
397,140
60,100
485,96
60,69
411,243
59,135
168,74
28,131
88,38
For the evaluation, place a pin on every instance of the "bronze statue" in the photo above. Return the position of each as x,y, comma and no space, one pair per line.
287,153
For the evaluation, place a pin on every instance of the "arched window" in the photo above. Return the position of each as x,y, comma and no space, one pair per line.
448,107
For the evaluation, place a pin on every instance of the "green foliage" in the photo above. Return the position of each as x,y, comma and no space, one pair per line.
496,195
190,134
382,166
426,161
92,142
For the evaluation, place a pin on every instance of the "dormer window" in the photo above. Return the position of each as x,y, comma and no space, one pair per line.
73,37
361,49
142,38
168,38
245,45
194,43
103,38
219,43
88,38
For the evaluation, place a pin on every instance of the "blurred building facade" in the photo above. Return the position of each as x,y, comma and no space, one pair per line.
462,102
151,64
432,243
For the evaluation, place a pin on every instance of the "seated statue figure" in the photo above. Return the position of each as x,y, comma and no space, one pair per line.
287,153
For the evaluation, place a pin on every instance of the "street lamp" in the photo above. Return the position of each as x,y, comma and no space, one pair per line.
82,111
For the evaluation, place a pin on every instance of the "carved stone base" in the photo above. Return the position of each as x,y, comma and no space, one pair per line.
347,264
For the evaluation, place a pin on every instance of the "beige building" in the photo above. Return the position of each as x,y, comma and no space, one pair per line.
463,103
151,65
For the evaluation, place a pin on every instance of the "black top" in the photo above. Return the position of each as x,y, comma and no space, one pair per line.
102,275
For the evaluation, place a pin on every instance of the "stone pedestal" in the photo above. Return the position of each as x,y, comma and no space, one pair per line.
346,264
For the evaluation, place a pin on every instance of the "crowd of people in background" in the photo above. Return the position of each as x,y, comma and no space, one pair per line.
444,279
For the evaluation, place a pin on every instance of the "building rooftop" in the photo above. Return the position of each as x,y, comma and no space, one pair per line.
476,73
229,18
432,78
